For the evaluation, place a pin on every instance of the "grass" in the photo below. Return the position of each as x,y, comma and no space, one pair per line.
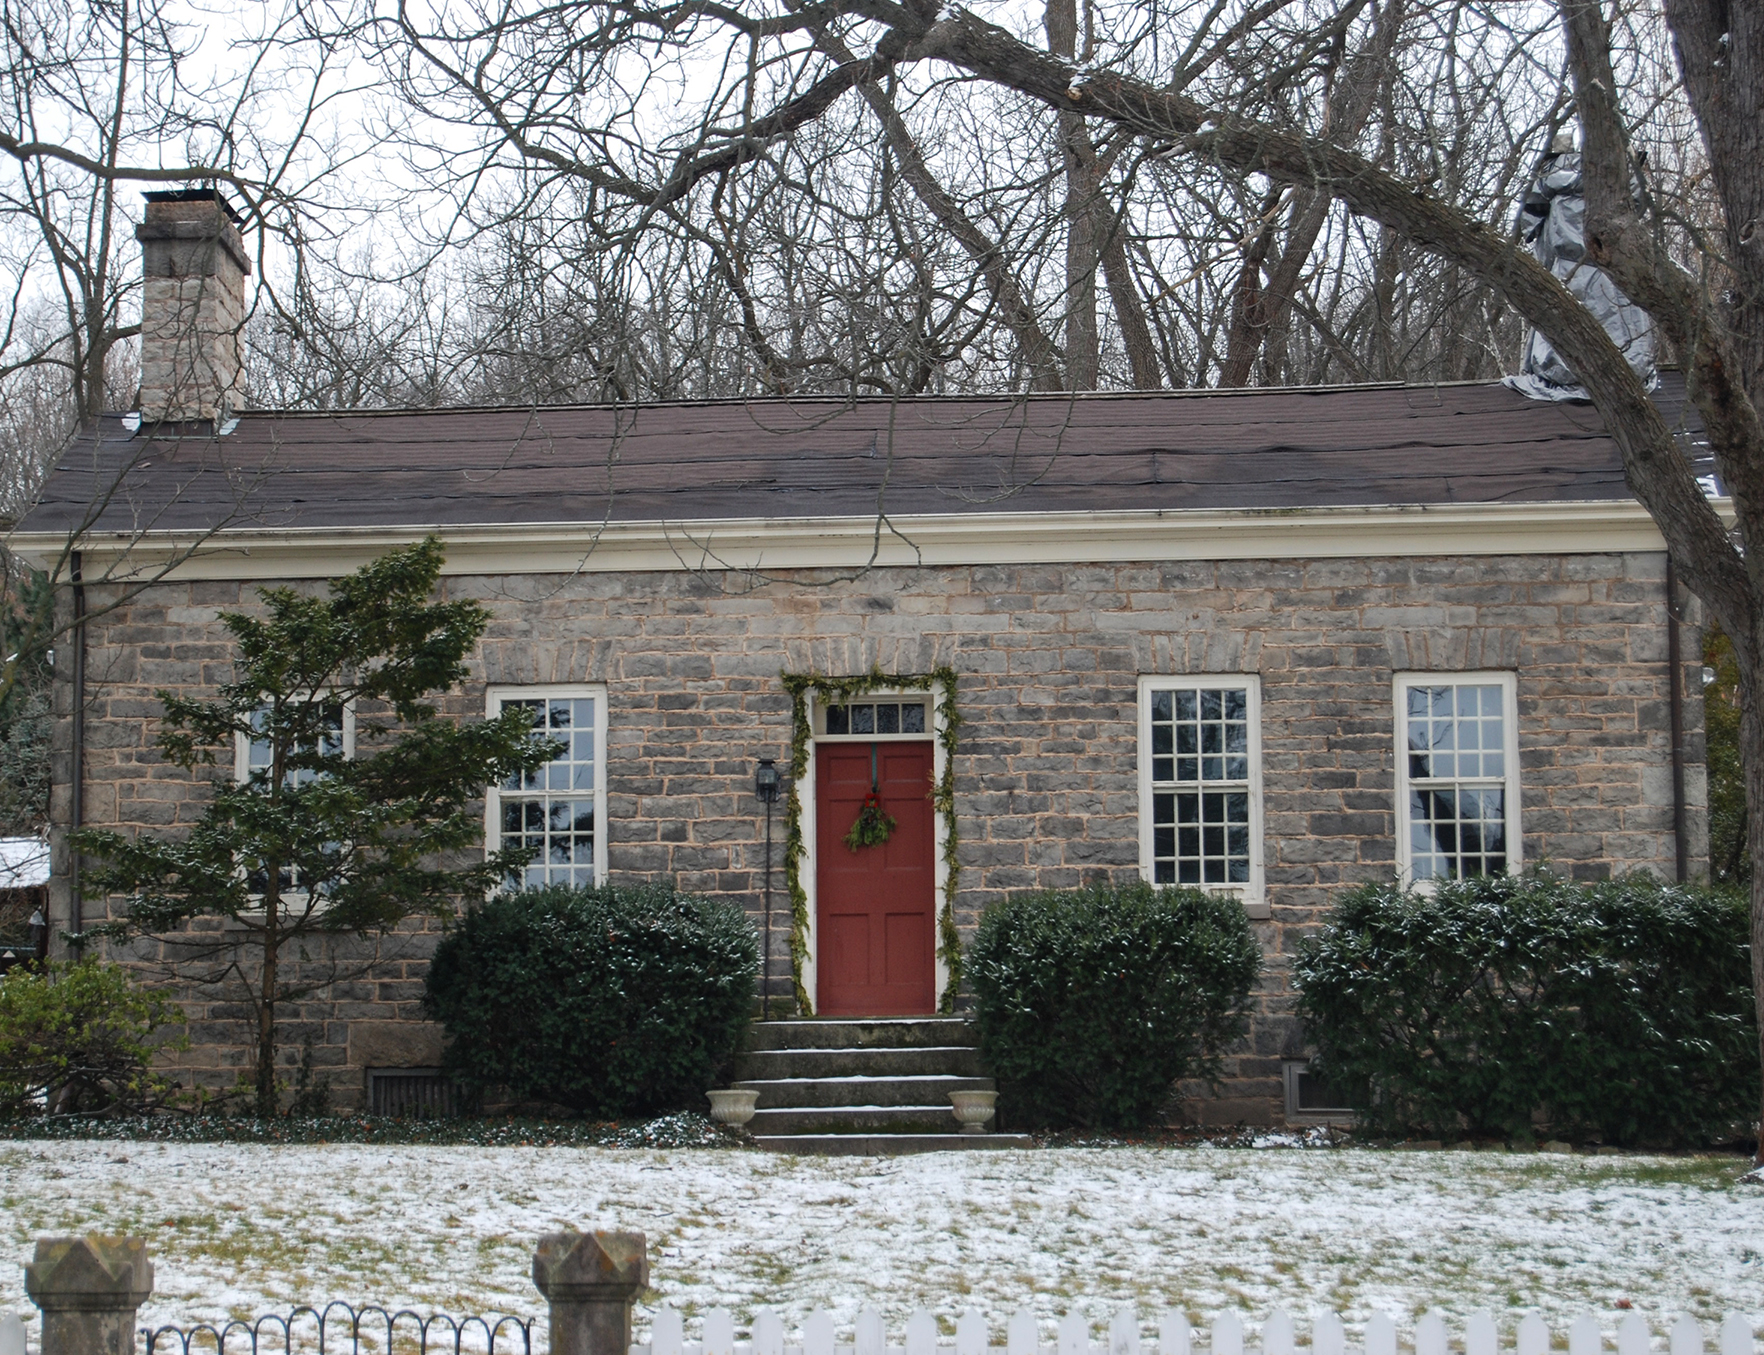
241,1228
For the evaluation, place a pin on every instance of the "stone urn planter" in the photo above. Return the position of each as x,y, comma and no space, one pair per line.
732,1105
973,1109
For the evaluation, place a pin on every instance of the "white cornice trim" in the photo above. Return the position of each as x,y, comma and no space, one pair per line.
767,544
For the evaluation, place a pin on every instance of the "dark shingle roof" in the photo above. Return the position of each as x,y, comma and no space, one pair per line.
1258,449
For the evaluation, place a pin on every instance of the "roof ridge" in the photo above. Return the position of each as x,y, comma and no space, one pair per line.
842,401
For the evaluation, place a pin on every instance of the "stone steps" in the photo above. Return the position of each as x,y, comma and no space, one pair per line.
889,1032
916,1090
866,1086
887,1145
776,1065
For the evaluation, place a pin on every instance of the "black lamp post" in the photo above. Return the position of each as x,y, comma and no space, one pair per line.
765,785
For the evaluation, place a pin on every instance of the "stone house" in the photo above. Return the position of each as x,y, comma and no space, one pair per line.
1274,642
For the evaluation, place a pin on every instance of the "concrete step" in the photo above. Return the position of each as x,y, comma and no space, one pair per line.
768,1065
894,1032
891,1119
802,1092
887,1145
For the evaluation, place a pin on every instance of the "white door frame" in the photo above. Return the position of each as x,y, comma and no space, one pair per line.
807,872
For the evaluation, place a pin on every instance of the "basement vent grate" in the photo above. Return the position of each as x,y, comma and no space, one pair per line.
1309,1097
413,1093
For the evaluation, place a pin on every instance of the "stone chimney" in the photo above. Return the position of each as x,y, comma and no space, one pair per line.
192,307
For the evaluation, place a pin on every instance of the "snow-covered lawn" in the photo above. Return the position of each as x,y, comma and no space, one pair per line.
236,1230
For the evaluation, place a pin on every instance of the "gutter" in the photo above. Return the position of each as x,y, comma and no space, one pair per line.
861,541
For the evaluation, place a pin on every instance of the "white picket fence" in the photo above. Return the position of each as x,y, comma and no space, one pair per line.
1176,1336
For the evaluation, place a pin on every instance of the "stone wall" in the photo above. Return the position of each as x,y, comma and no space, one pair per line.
1049,659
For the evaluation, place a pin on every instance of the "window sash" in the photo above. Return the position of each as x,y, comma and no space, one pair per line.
1457,764
558,808
1200,783
252,756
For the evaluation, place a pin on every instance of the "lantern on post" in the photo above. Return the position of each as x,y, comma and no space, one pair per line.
766,783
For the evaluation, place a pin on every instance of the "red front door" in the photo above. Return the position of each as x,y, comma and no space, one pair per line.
875,908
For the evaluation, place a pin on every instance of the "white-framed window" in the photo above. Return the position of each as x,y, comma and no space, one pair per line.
1200,783
1457,746
560,809
254,757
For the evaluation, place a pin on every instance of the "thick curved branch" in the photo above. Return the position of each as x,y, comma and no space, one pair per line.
1620,240
1657,472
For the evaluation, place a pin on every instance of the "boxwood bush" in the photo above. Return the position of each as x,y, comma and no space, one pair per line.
610,1001
1504,1005
1090,1005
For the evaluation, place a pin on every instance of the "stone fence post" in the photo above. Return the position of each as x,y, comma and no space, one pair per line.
88,1289
591,1281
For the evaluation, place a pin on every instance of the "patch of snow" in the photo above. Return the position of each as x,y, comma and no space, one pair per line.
24,862
237,1230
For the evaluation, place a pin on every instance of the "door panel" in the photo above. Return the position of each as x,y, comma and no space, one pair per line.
875,908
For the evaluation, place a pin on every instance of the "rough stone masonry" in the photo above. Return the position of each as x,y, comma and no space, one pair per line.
1047,795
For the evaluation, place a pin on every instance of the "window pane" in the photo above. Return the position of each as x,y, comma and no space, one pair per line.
1457,736
912,719
888,719
863,719
838,720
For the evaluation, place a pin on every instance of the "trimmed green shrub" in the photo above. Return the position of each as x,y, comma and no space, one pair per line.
79,1039
611,1001
1621,1011
1092,1004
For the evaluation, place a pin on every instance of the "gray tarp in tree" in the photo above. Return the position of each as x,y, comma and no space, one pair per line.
1552,220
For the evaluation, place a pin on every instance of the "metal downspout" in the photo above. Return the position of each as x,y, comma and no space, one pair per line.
77,788
1675,658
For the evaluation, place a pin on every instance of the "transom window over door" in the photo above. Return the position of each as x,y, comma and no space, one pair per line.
1200,783
872,716
1457,775
559,809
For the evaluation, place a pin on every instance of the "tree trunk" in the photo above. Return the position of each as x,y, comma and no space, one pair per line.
1083,355
1142,352
1720,45
1752,763
268,1104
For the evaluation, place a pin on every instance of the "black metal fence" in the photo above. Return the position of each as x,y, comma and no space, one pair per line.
348,1331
